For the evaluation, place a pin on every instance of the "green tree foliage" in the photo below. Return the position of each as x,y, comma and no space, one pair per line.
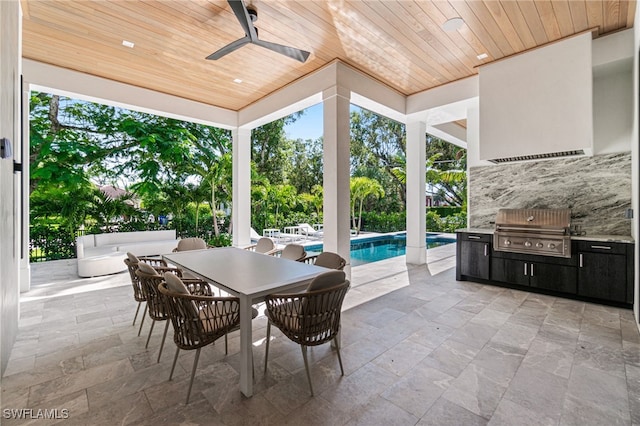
184,170
377,148
76,145
306,165
450,184
361,189
271,151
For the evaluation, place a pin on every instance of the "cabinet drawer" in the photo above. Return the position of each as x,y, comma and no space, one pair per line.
484,238
602,247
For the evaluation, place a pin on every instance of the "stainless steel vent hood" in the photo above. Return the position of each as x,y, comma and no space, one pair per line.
574,153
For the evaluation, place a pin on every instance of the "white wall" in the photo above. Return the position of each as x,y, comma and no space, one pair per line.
530,103
613,111
9,128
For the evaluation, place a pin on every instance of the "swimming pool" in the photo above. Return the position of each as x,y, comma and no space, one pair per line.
367,250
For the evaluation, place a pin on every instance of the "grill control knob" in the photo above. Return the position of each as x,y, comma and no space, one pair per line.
552,246
539,245
507,242
527,243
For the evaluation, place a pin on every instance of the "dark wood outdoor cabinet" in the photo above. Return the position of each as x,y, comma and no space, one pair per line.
473,256
557,274
602,271
596,271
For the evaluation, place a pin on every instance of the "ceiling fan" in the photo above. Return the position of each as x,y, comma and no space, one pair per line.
247,16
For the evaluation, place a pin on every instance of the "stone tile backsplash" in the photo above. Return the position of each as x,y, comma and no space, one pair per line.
597,190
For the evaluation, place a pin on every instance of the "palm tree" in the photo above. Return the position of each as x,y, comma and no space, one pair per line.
107,210
283,197
212,162
451,184
362,188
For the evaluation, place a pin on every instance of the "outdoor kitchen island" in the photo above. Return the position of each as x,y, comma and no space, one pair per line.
599,269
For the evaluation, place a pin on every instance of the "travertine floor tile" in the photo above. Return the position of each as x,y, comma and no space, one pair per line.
418,347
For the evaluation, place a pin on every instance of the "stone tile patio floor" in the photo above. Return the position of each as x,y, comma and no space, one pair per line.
418,348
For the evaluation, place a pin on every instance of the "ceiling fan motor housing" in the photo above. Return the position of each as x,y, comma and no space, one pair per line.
253,13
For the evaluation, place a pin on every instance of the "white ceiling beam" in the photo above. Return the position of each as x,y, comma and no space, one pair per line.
77,85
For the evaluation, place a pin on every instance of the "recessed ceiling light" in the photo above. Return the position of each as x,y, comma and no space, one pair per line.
128,43
482,56
237,80
453,24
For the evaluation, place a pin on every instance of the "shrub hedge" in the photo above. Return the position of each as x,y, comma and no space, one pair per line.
51,243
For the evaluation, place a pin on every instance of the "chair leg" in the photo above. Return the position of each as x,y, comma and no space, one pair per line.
226,344
175,358
150,331
266,351
193,373
136,316
164,336
144,314
306,366
339,359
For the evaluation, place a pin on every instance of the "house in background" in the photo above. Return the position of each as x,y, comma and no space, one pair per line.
549,92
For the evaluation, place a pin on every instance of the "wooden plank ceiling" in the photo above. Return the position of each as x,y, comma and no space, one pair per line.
401,43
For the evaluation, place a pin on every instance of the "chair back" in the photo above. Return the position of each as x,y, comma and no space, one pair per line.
310,318
191,243
199,320
149,281
132,267
330,260
294,252
265,245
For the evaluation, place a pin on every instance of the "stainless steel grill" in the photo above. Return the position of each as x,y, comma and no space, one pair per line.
534,231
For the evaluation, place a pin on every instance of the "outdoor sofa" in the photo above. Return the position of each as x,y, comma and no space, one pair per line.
103,254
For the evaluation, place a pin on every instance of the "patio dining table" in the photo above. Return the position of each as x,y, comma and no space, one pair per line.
250,276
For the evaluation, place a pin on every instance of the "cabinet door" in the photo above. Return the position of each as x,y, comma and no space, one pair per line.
510,271
553,277
474,261
602,276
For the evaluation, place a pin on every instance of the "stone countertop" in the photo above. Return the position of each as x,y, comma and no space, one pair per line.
476,230
602,238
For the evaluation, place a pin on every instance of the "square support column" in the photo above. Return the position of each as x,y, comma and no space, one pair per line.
22,194
241,204
336,157
416,215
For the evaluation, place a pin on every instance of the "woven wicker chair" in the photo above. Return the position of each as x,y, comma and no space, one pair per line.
197,320
132,266
309,318
150,278
192,243
327,259
264,245
294,252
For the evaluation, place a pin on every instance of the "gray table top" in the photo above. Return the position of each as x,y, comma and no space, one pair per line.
244,272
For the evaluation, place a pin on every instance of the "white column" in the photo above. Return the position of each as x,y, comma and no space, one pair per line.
22,194
336,157
241,214
416,216
473,154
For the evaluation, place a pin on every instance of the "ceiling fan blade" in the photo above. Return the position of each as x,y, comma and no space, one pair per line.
235,45
242,14
292,52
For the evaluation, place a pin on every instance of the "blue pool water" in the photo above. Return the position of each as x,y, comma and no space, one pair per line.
372,249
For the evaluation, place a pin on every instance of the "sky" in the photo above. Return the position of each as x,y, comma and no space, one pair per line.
308,126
